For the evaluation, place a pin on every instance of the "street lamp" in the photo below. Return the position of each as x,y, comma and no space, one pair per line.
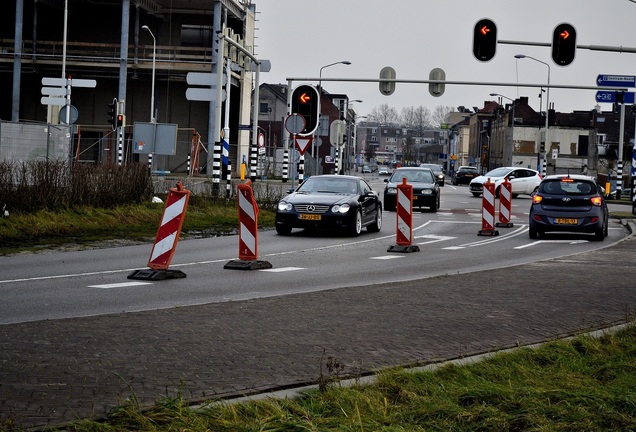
314,146
547,109
344,62
152,90
512,138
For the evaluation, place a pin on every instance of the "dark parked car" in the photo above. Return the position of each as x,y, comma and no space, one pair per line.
464,174
332,202
438,170
426,191
572,203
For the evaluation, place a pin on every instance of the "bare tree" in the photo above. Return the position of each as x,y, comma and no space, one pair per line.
417,119
384,114
440,114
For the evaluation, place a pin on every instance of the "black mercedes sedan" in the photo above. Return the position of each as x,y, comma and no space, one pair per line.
336,202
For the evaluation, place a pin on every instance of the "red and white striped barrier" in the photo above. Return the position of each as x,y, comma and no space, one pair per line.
488,210
248,231
505,205
167,237
404,219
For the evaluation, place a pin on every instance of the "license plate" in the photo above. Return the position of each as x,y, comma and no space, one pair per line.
414,197
566,221
309,216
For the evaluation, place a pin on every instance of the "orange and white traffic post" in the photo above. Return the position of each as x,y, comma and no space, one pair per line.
248,231
404,219
167,238
488,210
505,205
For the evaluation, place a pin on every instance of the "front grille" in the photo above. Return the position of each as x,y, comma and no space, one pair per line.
303,208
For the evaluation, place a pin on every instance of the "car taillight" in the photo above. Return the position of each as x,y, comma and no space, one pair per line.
536,199
597,201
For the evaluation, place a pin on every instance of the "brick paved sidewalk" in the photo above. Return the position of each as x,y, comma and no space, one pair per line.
53,372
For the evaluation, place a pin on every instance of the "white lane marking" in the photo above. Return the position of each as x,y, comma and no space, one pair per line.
387,257
120,285
433,238
550,241
522,229
282,269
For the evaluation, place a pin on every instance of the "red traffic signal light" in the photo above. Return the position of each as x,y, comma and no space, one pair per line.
485,40
306,102
563,44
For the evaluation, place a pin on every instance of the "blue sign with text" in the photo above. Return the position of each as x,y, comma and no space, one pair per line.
610,97
616,81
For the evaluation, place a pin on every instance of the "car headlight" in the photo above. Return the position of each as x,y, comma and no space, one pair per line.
441,176
340,208
391,190
427,191
284,206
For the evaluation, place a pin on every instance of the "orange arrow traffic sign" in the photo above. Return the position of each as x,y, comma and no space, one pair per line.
485,30
565,34
304,98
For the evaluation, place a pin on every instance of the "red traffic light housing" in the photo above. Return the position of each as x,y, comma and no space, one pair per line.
485,40
563,44
306,102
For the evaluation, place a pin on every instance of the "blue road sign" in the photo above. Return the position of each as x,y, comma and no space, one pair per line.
610,97
616,81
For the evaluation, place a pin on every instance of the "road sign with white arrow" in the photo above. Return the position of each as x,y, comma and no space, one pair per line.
611,96
616,81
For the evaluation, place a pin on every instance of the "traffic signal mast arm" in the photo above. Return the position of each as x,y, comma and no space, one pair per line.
475,83
620,49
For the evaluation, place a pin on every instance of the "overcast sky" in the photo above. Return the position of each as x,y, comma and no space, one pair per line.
414,36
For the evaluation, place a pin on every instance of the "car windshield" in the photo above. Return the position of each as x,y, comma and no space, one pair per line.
497,172
432,166
468,169
329,185
417,176
568,187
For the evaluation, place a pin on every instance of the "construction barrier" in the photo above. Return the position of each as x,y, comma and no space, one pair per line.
505,205
404,219
167,238
248,231
488,210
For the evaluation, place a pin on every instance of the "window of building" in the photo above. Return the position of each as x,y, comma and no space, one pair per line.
264,108
390,139
196,35
583,143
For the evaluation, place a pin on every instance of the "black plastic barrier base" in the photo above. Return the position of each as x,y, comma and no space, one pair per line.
504,225
152,274
247,265
490,233
403,249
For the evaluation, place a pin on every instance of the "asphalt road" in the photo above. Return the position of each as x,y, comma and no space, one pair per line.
57,370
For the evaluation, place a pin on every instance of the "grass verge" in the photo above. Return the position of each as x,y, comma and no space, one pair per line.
91,227
583,384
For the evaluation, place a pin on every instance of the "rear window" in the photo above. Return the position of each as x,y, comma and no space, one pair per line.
568,187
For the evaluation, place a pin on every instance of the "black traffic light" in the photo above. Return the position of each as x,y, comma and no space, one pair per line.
485,40
306,102
563,44
120,120
112,114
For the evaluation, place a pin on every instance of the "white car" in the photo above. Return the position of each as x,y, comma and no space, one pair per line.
524,180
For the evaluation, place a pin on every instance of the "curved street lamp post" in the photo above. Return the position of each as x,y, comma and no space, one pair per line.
547,110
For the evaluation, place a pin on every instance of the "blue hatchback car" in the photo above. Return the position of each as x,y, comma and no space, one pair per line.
569,203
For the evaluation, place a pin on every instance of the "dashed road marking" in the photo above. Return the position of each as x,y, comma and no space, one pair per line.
120,285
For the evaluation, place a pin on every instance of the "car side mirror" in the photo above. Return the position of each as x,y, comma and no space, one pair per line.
511,177
386,180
